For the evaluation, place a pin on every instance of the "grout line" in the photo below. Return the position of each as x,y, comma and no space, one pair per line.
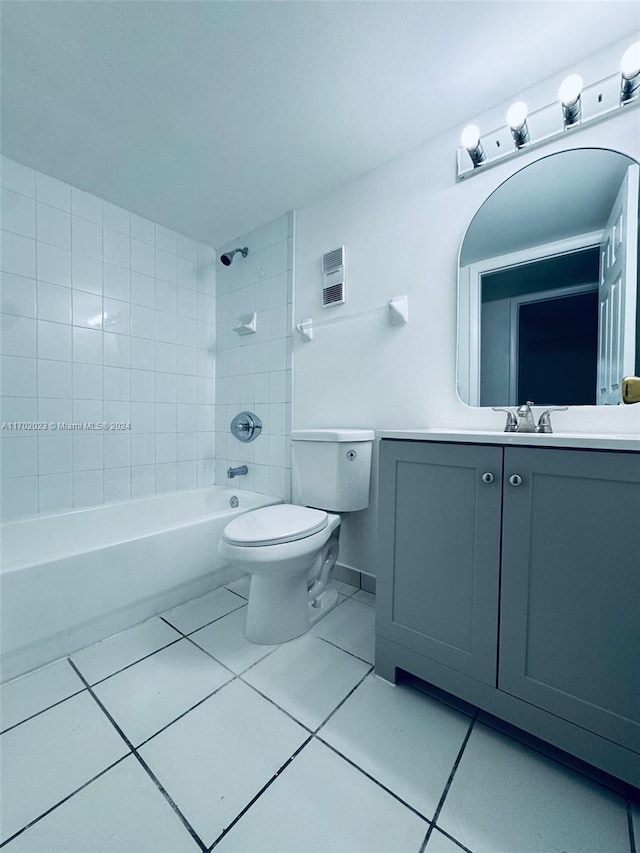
632,836
183,714
455,840
63,800
275,704
346,651
244,598
341,703
260,792
373,779
133,663
449,781
144,765
206,625
42,711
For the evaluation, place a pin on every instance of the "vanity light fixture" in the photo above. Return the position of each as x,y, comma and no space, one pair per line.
470,139
630,73
579,106
517,121
569,97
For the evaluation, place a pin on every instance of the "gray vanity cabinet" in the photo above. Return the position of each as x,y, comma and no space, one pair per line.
570,591
442,525
510,577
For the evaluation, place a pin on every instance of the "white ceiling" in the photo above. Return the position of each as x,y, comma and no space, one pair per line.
214,117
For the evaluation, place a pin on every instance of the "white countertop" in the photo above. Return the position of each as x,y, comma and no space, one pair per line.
623,441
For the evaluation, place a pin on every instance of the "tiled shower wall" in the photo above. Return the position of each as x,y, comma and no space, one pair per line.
253,372
106,317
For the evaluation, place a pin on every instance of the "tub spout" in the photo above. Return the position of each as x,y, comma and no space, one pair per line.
237,472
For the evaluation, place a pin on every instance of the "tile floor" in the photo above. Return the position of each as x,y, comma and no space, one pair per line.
179,735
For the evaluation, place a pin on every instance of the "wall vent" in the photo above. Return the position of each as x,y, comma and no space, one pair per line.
333,278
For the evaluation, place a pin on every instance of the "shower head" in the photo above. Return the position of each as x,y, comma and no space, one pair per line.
228,256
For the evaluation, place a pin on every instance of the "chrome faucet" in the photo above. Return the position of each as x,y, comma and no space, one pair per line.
237,472
526,423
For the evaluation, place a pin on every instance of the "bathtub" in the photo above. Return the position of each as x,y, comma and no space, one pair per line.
71,579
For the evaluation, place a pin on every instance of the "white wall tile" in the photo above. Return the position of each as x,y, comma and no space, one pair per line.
54,379
116,218
55,492
53,226
19,455
17,295
86,205
79,291
116,282
54,341
86,237
19,497
54,454
86,274
51,191
87,346
16,177
17,254
116,247
17,335
87,310
54,264
142,229
18,214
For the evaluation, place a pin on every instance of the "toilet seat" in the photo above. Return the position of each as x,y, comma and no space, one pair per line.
275,525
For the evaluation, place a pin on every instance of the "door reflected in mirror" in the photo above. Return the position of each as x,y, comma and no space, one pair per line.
548,284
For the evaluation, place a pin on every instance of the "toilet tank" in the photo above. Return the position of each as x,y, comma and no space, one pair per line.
331,468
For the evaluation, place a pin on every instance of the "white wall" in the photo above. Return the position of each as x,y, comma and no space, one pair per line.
105,317
253,372
402,225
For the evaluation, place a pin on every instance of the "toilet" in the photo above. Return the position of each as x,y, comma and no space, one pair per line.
290,549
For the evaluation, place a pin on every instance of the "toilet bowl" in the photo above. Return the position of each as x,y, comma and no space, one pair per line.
290,549
289,553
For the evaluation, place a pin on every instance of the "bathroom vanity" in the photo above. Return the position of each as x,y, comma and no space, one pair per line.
509,576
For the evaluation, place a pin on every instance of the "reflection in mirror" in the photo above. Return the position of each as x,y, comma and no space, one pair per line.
548,285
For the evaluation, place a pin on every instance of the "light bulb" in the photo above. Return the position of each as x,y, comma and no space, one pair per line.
630,64
570,89
517,115
470,137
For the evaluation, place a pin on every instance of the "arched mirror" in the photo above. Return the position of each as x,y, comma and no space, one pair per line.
548,284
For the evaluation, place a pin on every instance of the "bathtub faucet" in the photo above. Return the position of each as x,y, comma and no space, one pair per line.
236,472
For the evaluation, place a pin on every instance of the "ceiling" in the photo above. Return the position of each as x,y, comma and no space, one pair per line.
214,117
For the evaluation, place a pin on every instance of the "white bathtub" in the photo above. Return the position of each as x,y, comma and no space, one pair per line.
74,578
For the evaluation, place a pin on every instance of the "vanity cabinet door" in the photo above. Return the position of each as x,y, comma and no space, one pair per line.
439,552
570,591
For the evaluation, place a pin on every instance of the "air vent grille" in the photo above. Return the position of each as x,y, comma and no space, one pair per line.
333,295
333,278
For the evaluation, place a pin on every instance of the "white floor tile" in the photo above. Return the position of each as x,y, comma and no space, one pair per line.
226,641
50,756
351,626
307,677
439,843
216,758
199,612
506,797
149,695
241,586
120,812
365,597
320,803
25,696
635,820
102,659
406,740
